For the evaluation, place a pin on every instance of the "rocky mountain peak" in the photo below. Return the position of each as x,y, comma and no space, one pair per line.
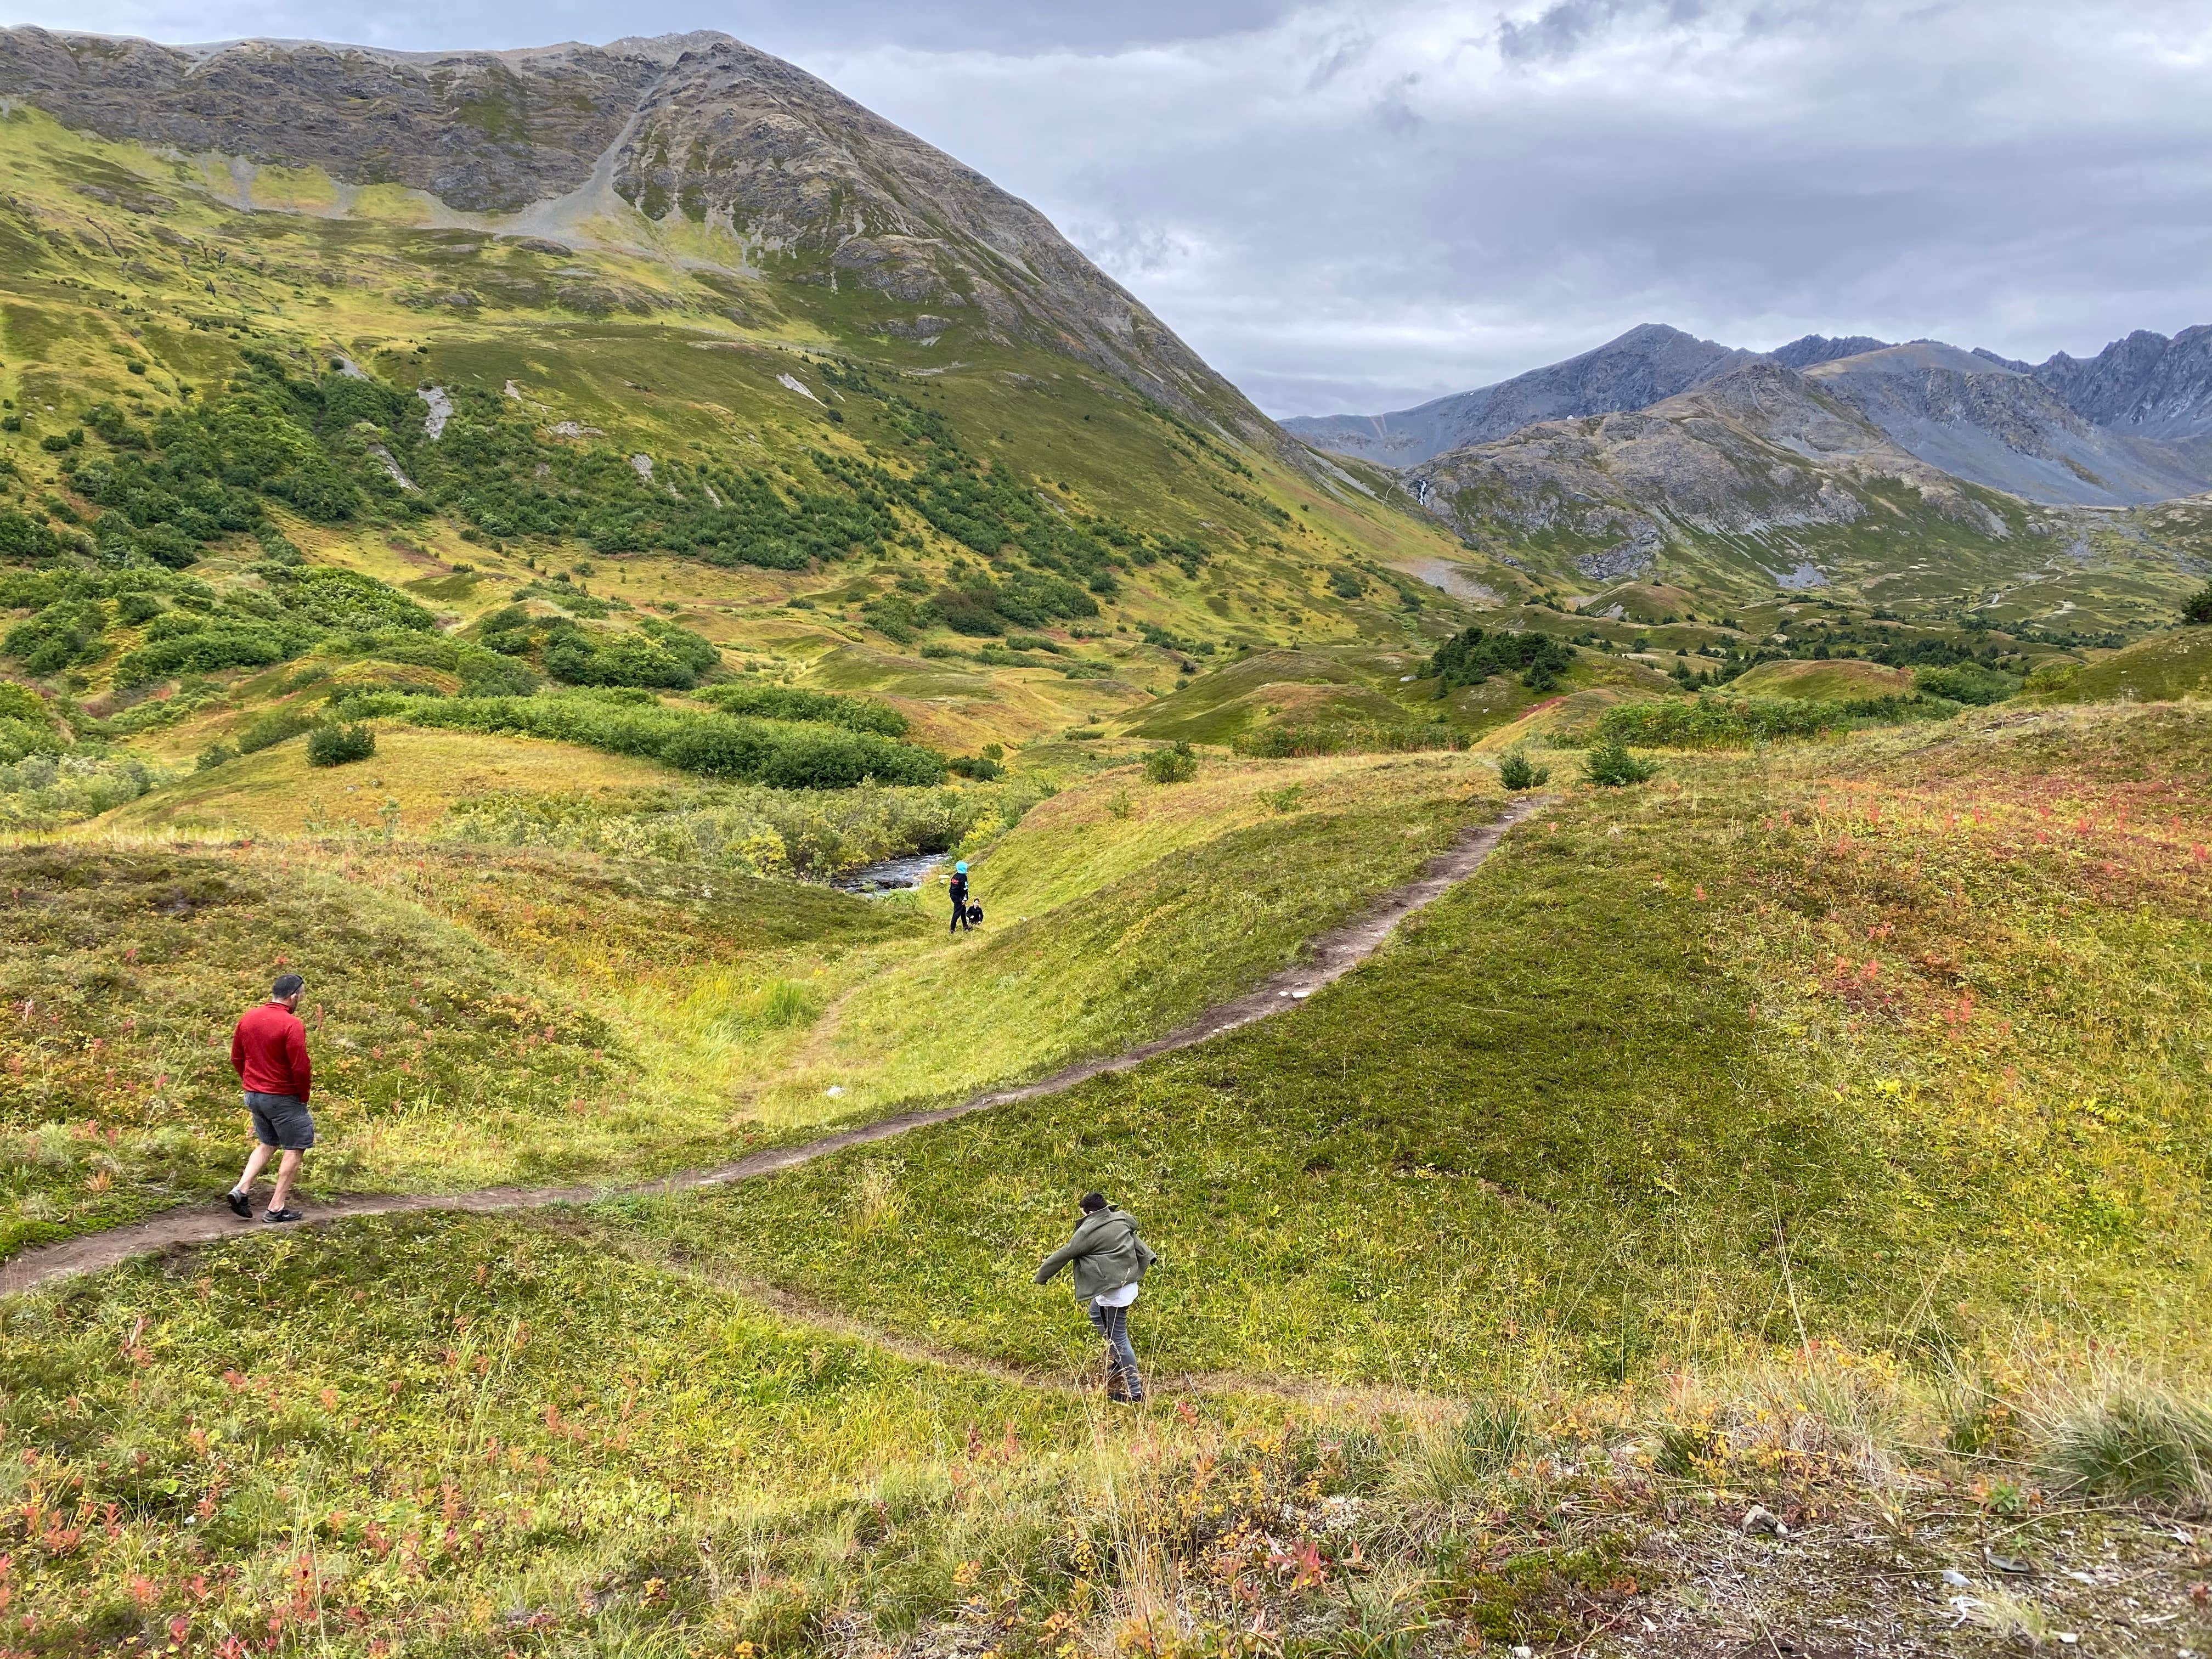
2145,384
1649,362
696,128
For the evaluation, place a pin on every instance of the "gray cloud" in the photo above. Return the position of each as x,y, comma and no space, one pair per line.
1357,204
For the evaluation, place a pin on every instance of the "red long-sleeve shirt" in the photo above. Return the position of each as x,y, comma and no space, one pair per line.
270,1052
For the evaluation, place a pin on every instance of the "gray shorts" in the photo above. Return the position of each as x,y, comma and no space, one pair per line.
282,1121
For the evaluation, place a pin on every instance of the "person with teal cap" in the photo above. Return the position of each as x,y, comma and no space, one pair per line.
959,899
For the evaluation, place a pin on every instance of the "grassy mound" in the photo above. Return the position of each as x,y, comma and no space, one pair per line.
448,1056
1841,680
417,776
1764,1053
2165,666
1133,940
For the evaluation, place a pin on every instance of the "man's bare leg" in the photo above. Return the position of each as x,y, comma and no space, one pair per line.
287,1168
256,1161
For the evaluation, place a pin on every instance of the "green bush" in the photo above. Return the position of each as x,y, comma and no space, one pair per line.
20,702
1472,656
340,746
784,702
1303,738
1966,683
23,538
1175,764
274,727
717,746
64,632
1611,765
1516,772
655,653
2197,612
1708,721
981,767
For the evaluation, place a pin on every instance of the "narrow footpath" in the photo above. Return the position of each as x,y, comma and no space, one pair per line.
1333,954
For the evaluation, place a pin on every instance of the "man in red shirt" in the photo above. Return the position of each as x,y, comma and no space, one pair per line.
269,1050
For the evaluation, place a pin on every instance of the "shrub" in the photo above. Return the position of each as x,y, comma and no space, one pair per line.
1472,656
2197,612
821,759
785,702
65,632
275,727
1966,683
23,538
718,748
1717,722
340,746
1175,764
1305,737
1611,766
1517,772
20,702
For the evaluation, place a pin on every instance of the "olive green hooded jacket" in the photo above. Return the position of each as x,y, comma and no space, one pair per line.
1105,1252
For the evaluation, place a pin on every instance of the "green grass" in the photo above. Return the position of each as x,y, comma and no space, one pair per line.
515,1428
1769,1042
1147,935
2175,664
474,1018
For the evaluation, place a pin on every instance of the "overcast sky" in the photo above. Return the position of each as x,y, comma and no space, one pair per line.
1356,206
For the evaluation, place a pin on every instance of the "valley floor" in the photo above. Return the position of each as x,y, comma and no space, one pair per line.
1763,1211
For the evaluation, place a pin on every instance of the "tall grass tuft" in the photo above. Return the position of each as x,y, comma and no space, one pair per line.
2135,1440
1456,1460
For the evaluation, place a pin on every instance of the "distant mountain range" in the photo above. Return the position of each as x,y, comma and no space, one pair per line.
2131,425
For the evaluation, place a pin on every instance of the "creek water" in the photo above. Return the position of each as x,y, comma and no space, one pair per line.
892,875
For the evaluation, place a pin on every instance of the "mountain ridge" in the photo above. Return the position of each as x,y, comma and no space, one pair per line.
2130,425
748,160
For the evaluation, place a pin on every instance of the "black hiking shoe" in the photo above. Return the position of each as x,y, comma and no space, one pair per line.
240,1205
283,1215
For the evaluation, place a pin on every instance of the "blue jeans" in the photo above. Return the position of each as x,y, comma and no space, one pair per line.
1121,1378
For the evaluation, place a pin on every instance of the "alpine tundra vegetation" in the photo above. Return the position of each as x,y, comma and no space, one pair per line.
1637,942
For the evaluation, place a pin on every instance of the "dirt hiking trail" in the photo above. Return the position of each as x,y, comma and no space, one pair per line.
1333,955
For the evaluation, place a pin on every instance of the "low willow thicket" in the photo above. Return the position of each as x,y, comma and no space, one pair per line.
819,834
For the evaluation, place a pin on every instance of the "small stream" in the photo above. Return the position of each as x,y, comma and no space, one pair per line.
892,875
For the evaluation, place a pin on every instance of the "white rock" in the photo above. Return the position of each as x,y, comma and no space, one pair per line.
441,411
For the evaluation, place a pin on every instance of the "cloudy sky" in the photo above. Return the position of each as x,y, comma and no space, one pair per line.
1357,204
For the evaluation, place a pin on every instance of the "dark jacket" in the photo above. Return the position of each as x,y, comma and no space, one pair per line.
959,889
1105,1252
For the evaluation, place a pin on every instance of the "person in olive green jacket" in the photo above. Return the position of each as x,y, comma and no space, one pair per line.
1108,1262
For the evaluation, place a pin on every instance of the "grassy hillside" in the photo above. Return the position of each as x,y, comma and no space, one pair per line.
2174,664
1903,1041
1822,1129
478,1017
629,407
1824,682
